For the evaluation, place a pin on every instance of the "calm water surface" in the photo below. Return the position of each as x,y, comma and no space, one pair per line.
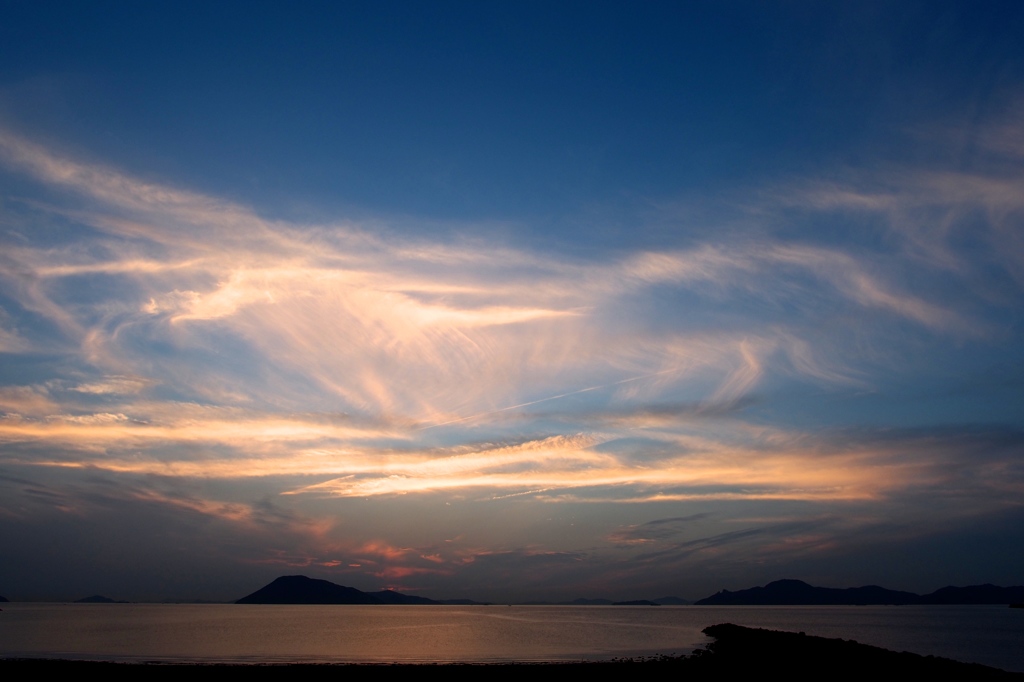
993,635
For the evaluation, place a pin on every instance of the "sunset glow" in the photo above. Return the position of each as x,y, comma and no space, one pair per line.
612,351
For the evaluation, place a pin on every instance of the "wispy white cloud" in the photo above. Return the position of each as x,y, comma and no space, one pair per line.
694,464
113,385
331,363
430,329
90,431
27,400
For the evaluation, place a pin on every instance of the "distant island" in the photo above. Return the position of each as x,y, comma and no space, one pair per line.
588,602
799,593
98,599
299,589
660,601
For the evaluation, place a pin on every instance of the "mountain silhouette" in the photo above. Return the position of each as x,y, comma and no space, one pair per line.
975,594
799,593
298,589
392,597
98,599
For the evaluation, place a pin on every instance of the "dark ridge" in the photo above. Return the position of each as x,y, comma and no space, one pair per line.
588,602
98,599
635,602
392,597
799,593
298,589
975,594
4,599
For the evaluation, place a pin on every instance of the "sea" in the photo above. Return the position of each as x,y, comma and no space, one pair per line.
236,633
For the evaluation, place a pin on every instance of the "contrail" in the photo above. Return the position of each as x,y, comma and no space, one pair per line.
554,397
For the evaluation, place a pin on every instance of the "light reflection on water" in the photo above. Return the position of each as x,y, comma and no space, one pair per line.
251,633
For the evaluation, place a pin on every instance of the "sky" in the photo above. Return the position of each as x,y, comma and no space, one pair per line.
510,301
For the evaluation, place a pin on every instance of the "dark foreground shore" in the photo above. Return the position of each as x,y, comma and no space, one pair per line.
736,652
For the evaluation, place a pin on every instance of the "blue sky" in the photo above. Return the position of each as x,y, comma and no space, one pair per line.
510,301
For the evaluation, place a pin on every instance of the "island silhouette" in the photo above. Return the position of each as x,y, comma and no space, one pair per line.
799,593
299,589
98,599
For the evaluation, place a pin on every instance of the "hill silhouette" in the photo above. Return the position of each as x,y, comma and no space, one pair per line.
298,589
392,597
975,594
799,593
98,599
